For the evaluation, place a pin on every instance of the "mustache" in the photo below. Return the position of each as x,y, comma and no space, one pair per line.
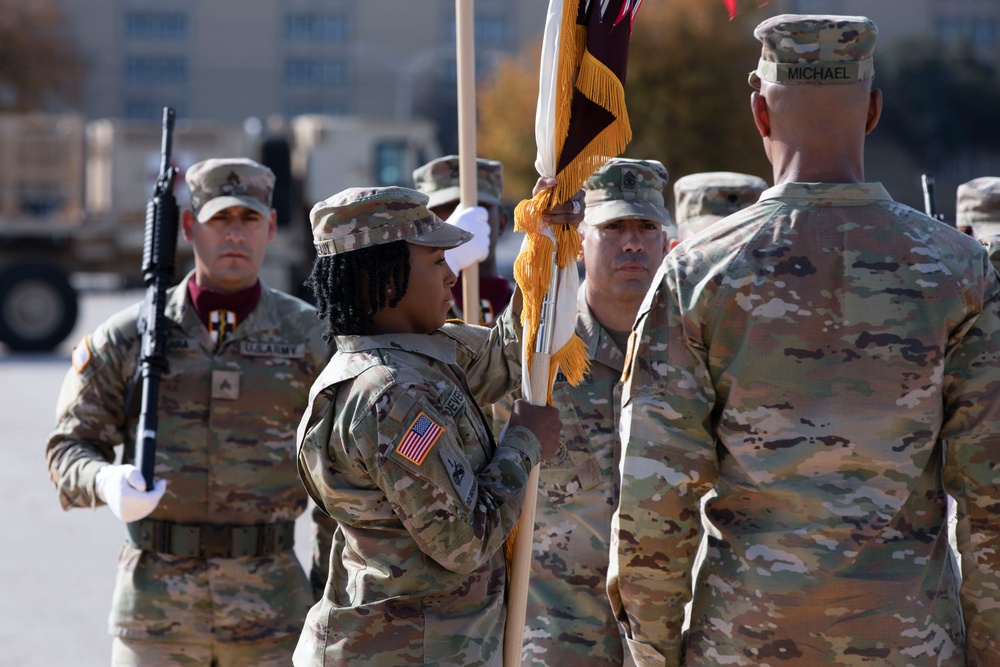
631,258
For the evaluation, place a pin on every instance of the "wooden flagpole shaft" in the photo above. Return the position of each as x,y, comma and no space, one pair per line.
466,63
517,585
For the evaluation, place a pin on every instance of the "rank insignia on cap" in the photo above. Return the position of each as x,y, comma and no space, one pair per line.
419,439
81,355
629,180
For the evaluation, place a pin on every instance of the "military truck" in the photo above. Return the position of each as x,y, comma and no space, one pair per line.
73,196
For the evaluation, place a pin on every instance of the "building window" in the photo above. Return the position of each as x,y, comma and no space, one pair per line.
323,107
156,69
316,28
155,25
975,30
390,160
494,30
138,109
315,72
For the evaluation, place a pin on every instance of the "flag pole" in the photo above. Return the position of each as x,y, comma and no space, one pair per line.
467,179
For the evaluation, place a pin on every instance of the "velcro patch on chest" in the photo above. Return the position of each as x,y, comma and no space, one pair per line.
253,348
419,438
226,385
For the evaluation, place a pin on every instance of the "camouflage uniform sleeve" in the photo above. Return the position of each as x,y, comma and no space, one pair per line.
668,463
491,356
972,433
323,526
90,414
457,509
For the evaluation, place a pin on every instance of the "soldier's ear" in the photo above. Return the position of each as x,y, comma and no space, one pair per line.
187,222
761,116
874,110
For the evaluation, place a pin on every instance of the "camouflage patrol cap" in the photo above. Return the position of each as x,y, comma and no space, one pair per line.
438,179
219,183
624,188
361,217
978,206
815,49
701,199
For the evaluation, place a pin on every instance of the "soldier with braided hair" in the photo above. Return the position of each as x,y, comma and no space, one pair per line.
396,448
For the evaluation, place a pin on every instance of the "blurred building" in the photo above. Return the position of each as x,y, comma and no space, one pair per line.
976,22
229,60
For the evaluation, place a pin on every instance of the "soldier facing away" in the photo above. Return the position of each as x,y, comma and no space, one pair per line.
395,447
626,231
207,574
807,358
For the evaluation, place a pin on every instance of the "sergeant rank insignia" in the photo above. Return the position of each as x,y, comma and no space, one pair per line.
419,439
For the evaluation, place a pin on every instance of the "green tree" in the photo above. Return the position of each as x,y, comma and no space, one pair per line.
39,67
686,92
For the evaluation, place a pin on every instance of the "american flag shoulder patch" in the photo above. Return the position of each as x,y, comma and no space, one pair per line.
419,439
81,355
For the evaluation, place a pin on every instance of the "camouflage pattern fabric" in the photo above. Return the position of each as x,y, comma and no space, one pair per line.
978,206
397,450
438,179
361,217
992,245
569,618
266,653
707,197
815,49
227,421
807,358
626,188
219,183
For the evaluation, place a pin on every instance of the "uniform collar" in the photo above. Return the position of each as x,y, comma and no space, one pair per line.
839,194
600,347
434,345
263,318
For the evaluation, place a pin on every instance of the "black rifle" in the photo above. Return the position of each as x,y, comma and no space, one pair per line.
158,250
927,181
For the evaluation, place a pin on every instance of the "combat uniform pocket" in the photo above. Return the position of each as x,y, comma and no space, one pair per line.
575,467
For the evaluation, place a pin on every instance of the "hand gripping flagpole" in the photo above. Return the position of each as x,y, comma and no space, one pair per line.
467,175
573,80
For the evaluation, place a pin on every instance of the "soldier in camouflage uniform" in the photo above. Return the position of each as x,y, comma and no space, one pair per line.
978,209
626,232
438,179
395,447
208,574
707,197
807,358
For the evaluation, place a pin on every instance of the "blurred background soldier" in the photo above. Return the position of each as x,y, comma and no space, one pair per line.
707,197
807,358
438,179
626,231
207,574
978,209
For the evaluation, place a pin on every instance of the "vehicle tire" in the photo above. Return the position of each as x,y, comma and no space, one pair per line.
38,307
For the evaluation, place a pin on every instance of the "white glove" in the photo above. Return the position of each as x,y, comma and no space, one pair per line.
122,487
474,219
